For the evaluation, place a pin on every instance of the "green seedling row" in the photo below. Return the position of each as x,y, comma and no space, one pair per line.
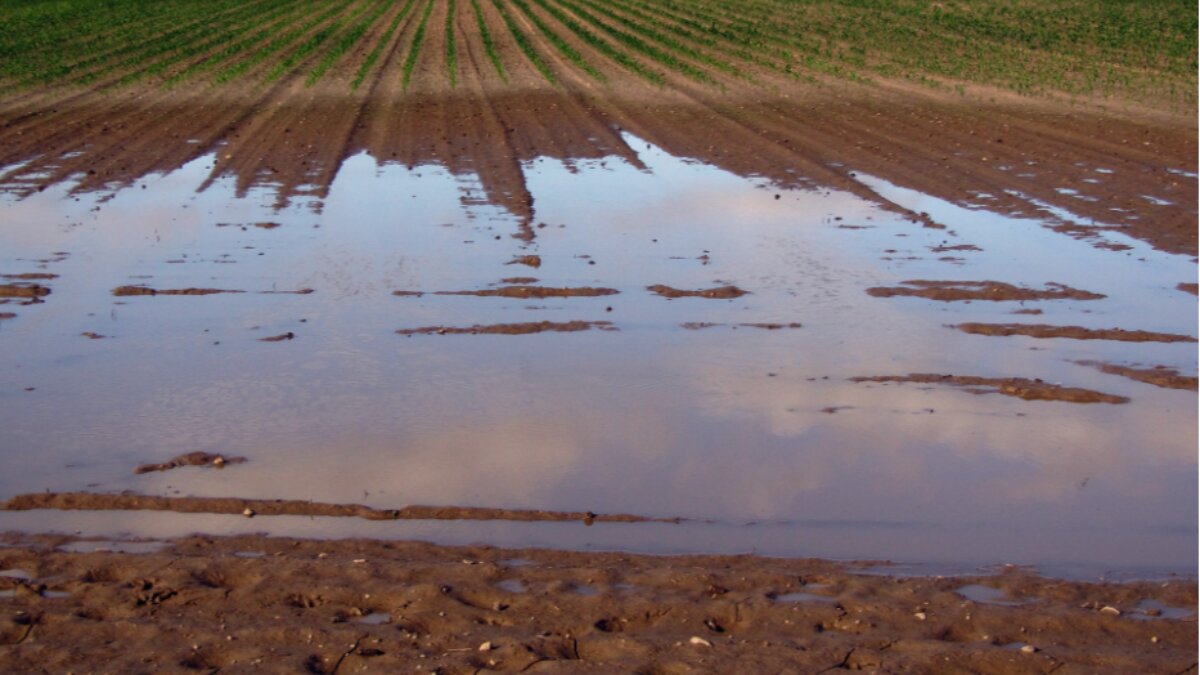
415,49
451,51
601,45
524,44
345,43
383,42
559,43
277,44
1139,50
486,37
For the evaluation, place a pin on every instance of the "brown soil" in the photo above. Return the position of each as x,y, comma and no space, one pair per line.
1159,376
92,336
955,291
23,290
278,338
1020,387
122,291
369,606
719,293
7,315
89,501
1072,332
29,276
527,260
512,328
536,292
1194,289
205,459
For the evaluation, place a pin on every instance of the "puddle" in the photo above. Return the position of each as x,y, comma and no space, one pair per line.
800,596
1150,610
517,562
585,590
986,595
248,554
374,619
20,575
647,418
114,546
512,586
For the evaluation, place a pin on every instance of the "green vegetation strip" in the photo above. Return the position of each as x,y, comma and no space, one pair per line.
1144,50
601,45
415,50
488,46
345,42
526,46
451,52
383,41
559,43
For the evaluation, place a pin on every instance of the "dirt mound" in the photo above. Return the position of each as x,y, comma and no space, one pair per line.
992,291
1020,387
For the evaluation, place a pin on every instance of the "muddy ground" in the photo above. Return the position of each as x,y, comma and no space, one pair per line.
255,604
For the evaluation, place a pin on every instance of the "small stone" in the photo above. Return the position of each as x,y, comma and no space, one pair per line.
699,641
1110,610
359,561
219,461
920,616
1154,639
248,512
1028,649
486,647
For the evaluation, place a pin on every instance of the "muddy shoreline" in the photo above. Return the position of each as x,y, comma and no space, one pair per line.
251,602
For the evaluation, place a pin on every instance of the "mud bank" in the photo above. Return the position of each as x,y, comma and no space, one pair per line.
348,606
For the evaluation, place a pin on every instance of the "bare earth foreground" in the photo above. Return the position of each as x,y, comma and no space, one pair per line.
255,604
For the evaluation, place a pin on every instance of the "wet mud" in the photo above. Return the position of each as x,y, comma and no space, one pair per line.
205,459
1070,332
1159,376
23,291
1019,387
525,328
126,291
526,292
254,603
91,501
718,293
991,291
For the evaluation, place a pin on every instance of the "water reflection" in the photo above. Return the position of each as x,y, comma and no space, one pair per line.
734,426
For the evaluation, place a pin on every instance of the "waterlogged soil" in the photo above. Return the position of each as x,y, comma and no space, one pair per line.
990,291
719,293
1159,376
512,328
256,603
1019,387
86,501
1071,332
190,459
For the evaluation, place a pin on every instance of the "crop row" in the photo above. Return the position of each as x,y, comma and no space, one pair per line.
1073,46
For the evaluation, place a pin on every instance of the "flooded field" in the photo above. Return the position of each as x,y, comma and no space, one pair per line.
794,371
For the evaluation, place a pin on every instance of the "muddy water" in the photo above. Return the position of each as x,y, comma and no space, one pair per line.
757,430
